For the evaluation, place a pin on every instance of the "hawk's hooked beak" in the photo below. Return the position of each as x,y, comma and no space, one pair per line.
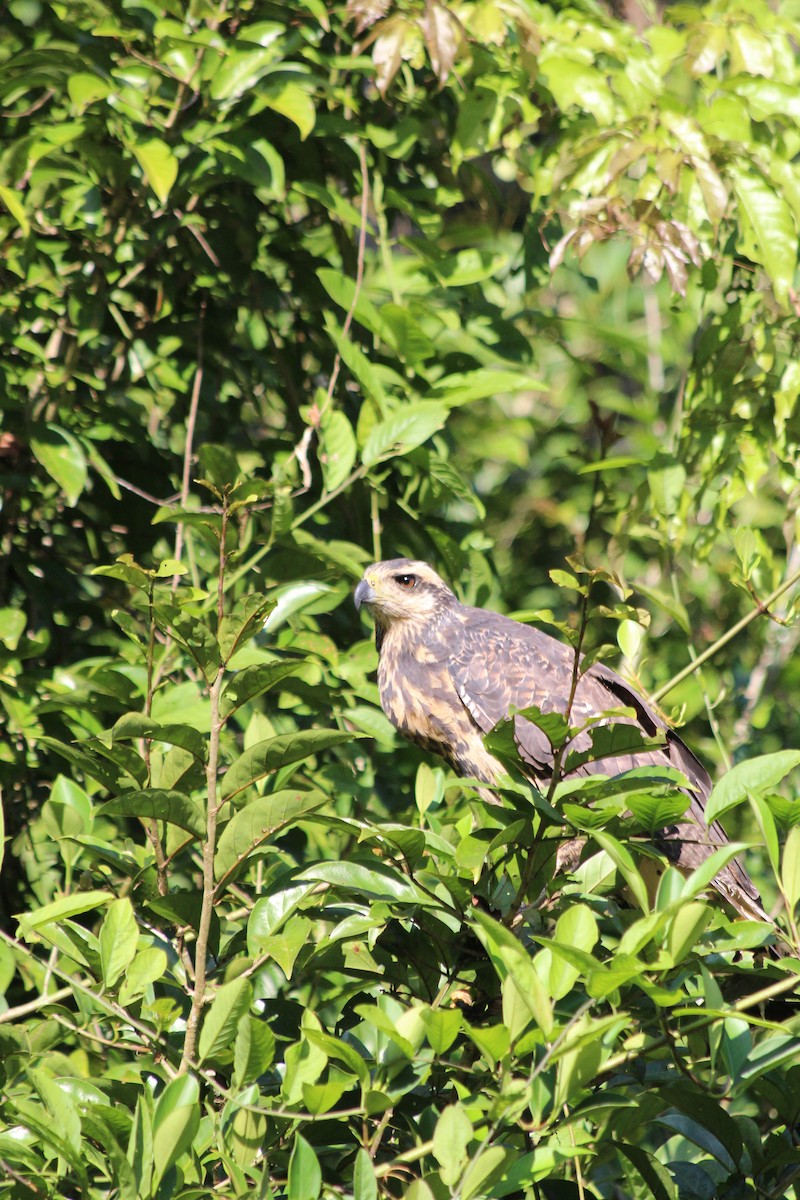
364,594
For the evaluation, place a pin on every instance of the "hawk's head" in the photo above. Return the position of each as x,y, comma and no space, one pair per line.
401,589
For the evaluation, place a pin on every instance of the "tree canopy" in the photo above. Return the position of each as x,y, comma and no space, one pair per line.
287,289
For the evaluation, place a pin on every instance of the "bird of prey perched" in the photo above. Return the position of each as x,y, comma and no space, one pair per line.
448,673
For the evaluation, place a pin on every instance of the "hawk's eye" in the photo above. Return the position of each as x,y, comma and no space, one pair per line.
406,581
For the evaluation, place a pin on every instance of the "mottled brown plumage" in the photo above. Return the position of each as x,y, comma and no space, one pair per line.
448,673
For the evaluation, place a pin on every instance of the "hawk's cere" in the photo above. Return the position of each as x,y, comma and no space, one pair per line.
448,673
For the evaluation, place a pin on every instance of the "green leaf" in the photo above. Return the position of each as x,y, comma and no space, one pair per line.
244,620
221,1020
270,755
512,962
292,102
242,69
12,626
252,682
405,332
465,387
159,165
409,427
63,459
452,1135
119,935
253,1051
147,967
136,725
358,363
12,201
442,1027
790,869
756,776
623,861
305,1176
365,1181
337,449
655,812
59,910
257,822
369,881
158,803
577,927
175,1123
770,233
654,1174
686,927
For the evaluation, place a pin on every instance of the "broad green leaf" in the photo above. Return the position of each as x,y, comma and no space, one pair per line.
337,449
59,910
252,682
465,387
270,913
136,725
221,1021
270,755
147,967
305,1176
12,626
67,812
358,363
159,165
292,102
244,620
63,459
128,571
85,87
253,1050
175,1123
13,202
409,427
577,927
655,1175
365,1182
772,239
160,804
442,1027
756,776
253,825
119,935
412,343
686,927
342,289
369,881
484,1170
452,1135
623,861
242,69
512,961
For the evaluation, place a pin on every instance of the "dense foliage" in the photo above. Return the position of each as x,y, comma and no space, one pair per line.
288,288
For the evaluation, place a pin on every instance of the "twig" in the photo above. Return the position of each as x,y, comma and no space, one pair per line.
22,1010
317,413
734,630
191,421
212,812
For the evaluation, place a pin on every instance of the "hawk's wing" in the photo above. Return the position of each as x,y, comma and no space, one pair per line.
498,665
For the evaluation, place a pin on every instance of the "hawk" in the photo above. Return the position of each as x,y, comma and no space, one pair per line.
449,673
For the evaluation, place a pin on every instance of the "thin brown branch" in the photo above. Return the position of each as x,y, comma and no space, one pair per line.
210,842
191,422
22,1010
733,632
